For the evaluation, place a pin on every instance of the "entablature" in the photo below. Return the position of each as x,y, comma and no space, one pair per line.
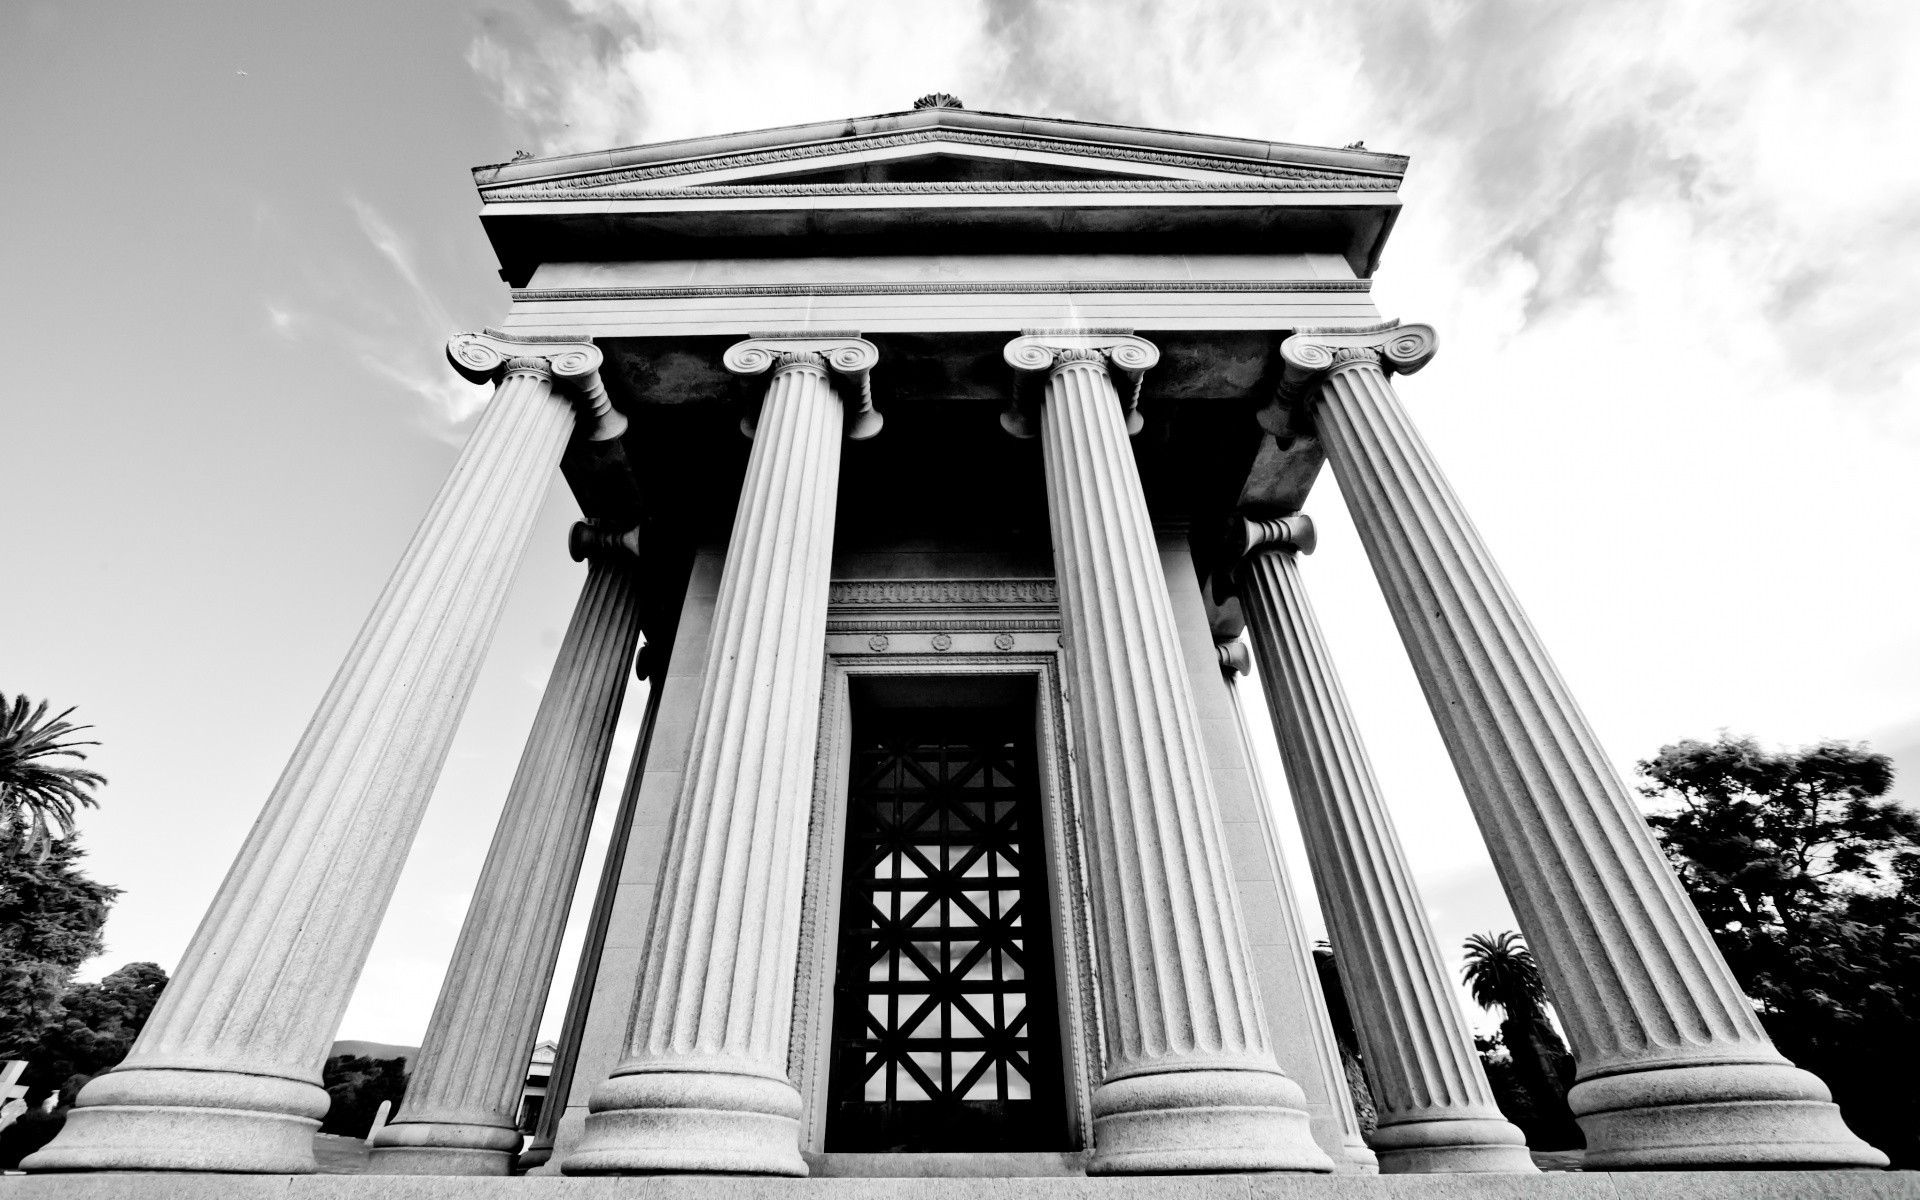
939,178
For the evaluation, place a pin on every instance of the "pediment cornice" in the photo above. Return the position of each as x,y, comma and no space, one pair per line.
1138,160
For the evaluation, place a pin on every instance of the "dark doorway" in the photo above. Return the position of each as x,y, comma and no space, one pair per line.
945,1028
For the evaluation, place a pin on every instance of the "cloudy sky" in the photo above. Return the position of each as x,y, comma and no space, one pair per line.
1670,246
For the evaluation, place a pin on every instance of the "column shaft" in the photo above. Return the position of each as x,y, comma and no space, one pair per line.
463,1097
1674,1068
573,1030
1436,1110
1191,1083
1326,1063
226,1074
703,1085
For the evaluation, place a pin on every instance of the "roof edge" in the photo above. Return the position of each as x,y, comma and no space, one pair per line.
528,170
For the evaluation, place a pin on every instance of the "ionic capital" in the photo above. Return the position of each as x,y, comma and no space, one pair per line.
845,358
1391,346
1235,658
1248,536
1253,535
587,539
488,356
1038,353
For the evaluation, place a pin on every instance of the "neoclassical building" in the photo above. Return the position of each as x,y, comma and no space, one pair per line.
941,470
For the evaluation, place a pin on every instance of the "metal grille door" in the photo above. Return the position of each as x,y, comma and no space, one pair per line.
945,1034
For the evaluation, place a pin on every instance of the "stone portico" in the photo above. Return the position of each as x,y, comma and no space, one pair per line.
934,465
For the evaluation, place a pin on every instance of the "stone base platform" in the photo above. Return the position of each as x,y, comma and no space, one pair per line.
1652,1185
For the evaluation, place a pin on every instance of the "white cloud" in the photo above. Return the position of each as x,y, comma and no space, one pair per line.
402,345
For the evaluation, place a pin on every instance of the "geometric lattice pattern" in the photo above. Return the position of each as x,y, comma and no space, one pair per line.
945,974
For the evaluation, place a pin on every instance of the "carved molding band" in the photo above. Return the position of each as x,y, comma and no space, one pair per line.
846,358
1016,287
959,622
966,187
935,605
601,184
1038,352
488,355
900,593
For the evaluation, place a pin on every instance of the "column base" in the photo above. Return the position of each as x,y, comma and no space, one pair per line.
443,1148
1468,1146
181,1120
533,1156
1191,1121
1768,1115
684,1121
1360,1160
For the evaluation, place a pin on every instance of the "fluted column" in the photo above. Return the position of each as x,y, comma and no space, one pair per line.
1235,662
703,1085
1436,1111
1190,1083
463,1094
226,1074
1674,1068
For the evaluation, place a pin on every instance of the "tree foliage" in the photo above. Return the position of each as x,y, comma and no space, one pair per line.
1340,1017
357,1086
96,1026
1808,877
1502,974
37,794
50,921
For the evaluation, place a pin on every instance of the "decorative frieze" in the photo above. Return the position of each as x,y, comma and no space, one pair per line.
946,188
883,606
903,593
1020,287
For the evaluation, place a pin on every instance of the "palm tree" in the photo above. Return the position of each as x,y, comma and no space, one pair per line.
38,796
1501,973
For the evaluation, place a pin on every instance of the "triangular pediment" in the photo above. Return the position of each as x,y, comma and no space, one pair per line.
938,163
937,150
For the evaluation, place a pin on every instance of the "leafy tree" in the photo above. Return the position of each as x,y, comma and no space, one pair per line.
50,921
1808,878
38,795
1501,973
357,1086
96,1027
1340,1016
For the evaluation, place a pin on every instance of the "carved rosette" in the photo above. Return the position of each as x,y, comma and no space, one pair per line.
1674,1068
1038,352
845,359
575,365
